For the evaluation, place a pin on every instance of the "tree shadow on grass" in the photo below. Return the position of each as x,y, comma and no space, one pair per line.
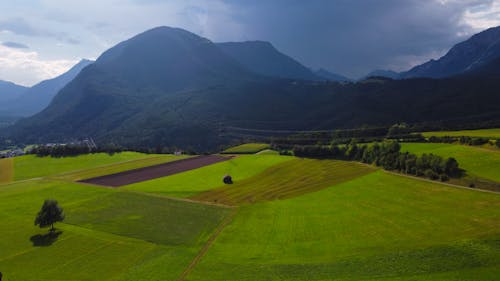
44,240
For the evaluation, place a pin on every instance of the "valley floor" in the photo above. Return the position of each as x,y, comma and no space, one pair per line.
284,218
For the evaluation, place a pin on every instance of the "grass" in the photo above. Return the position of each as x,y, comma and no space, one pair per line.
484,133
192,182
476,161
247,148
376,227
334,220
268,152
286,180
108,234
6,170
31,166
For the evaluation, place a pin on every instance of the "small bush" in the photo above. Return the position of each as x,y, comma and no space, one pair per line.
431,174
227,179
444,178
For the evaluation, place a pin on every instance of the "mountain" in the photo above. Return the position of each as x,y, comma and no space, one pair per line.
139,86
10,91
383,73
170,87
466,56
29,101
262,58
330,76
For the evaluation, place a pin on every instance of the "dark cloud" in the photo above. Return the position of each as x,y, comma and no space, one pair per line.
354,37
15,45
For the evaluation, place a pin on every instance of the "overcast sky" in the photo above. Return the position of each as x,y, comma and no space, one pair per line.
40,39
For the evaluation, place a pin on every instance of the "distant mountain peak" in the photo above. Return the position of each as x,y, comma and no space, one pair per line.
263,58
479,49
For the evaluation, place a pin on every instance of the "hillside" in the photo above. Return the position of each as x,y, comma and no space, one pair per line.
263,58
330,76
9,91
28,101
170,87
473,53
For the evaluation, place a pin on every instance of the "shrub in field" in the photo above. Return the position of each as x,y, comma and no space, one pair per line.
227,179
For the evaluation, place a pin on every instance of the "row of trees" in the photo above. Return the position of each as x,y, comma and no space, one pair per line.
388,156
462,140
60,150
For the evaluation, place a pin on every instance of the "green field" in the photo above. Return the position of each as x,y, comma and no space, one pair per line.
247,148
298,219
195,181
107,234
477,162
286,180
376,226
31,166
485,133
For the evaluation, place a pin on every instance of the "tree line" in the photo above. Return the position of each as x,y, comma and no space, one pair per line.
387,155
64,150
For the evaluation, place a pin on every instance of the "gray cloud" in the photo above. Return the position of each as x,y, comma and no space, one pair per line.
354,37
20,26
15,45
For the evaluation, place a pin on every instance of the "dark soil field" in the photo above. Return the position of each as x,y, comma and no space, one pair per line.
157,171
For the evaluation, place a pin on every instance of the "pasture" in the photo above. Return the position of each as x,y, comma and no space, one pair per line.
31,166
297,219
247,148
483,133
286,180
477,162
207,178
378,226
107,234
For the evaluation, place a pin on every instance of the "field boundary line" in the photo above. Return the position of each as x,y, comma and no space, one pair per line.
442,183
177,198
207,245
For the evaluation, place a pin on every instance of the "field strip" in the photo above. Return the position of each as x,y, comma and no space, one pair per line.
440,182
207,245
107,165
156,171
179,199
16,182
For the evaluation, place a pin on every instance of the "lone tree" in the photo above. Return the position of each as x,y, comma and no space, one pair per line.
49,214
227,179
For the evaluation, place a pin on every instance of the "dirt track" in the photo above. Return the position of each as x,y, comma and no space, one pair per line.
157,171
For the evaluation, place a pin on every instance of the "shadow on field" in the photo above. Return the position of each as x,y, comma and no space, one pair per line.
44,240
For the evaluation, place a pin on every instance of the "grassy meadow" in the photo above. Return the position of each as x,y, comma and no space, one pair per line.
477,162
247,148
31,166
377,226
108,234
483,133
297,219
192,182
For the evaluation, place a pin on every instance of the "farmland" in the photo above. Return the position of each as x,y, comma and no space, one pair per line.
31,166
476,161
484,133
376,226
293,219
247,148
